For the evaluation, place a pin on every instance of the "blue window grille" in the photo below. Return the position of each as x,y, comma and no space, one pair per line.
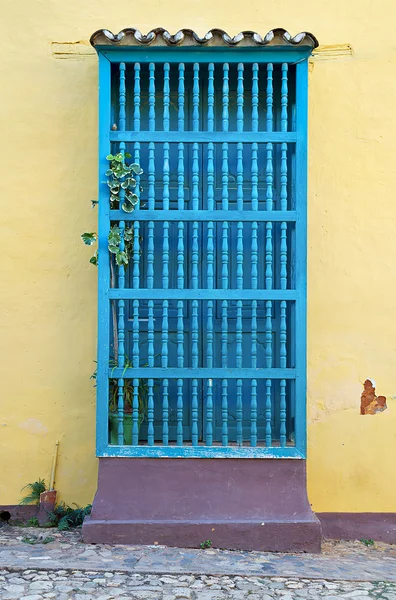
202,336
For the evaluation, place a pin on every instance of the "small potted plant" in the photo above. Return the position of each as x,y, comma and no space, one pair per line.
128,407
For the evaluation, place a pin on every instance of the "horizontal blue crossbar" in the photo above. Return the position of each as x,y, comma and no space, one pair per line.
200,452
219,137
175,294
211,54
205,215
201,373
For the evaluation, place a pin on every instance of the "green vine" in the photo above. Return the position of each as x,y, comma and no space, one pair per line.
121,182
121,185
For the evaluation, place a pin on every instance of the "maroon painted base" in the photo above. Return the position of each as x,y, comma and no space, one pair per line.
380,527
258,504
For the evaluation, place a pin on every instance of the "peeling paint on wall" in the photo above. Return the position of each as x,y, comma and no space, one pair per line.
370,403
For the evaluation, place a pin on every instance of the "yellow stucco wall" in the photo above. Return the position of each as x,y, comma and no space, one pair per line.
48,293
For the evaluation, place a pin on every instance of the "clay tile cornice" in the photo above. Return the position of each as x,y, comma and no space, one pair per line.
214,37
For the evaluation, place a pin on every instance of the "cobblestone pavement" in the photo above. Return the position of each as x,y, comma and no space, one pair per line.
93,585
36,564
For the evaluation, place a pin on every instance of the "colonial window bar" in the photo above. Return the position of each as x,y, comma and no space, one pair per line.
202,347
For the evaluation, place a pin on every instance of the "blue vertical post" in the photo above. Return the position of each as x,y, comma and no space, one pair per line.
301,252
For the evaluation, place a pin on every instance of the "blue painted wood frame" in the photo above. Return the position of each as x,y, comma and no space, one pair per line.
298,56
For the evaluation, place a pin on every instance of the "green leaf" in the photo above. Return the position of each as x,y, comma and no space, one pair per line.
94,259
109,172
114,198
127,155
109,157
114,237
136,169
125,184
119,157
128,207
132,198
113,249
89,238
128,234
121,258
131,182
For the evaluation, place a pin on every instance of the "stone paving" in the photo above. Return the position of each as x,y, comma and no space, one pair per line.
36,564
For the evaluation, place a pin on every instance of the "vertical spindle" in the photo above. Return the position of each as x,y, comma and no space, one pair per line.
209,413
253,414
240,96
165,334
150,334
194,334
270,96
166,177
283,335
180,334
224,412
224,334
136,98
151,176
136,255
194,413
150,413
135,412
254,334
150,256
282,405
194,257
239,414
255,97
239,335
196,97
165,412
283,256
179,413
135,335
240,176
268,414
180,256
165,256
254,176
137,190
166,96
254,255
226,97
180,177
268,334
268,257
239,249
211,97
209,334
152,97
180,112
